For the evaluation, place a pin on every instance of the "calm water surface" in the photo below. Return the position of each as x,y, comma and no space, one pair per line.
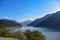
38,28
50,33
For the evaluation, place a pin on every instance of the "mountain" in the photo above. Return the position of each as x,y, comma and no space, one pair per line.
25,23
52,21
35,22
9,23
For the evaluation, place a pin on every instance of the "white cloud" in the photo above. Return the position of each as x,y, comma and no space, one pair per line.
30,19
6,17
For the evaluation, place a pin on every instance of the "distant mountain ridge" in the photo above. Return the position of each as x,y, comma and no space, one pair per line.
9,23
35,22
25,23
51,21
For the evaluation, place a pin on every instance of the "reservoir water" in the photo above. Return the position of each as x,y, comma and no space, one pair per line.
50,33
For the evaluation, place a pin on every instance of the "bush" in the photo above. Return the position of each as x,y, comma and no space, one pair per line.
27,35
34,35
4,33
20,35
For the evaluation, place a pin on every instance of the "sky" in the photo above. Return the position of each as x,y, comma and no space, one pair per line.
21,10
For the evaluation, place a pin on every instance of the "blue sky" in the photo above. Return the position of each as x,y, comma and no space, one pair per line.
21,10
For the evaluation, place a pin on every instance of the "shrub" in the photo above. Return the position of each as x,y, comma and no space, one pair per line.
27,35
4,33
20,35
34,35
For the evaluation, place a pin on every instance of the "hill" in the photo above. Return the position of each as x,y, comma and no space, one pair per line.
9,23
52,21
38,20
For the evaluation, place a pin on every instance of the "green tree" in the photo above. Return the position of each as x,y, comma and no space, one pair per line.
34,35
37,35
29,34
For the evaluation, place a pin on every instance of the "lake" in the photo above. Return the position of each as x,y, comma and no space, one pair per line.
50,33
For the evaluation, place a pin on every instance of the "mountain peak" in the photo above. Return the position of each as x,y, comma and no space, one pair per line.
51,20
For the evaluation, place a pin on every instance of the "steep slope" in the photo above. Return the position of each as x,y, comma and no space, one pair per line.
9,23
39,20
52,21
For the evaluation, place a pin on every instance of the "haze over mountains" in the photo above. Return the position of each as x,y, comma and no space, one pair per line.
25,23
50,20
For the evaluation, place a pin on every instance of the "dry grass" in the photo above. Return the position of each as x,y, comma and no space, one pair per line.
5,38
